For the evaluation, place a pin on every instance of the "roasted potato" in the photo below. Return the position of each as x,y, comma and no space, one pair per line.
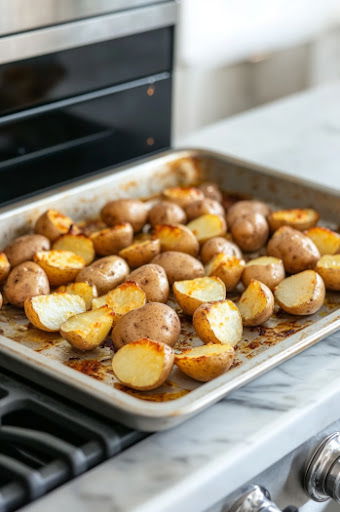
154,320
79,244
125,210
183,195
61,267
105,273
126,297
52,224
266,269
326,240
244,208
86,331
179,266
211,191
250,232
296,250
176,237
153,280
49,312
112,240
206,362
218,245
86,291
229,270
218,322
192,293
301,294
26,280
4,267
24,247
166,212
141,253
297,218
207,226
143,364
256,303
203,207
328,267
1,300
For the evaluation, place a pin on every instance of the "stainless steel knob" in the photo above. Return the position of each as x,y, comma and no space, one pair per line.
322,476
254,499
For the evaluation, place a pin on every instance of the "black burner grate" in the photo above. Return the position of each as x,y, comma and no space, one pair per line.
45,442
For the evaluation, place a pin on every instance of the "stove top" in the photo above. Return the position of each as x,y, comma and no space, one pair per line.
45,442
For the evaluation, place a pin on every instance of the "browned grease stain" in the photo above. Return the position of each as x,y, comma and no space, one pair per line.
152,397
91,367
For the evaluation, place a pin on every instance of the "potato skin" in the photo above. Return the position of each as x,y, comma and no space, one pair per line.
52,224
155,320
112,240
329,274
105,273
296,250
244,208
141,253
263,298
250,232
217,245
153,280
179,266
205,367
125,210
270,274
211,191
166,212
24,247
4,267
203,206
26,280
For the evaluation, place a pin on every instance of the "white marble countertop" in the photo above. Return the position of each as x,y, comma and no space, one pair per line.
196,464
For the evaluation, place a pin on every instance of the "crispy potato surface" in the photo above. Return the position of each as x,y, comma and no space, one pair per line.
126,297
79,244
192,293
179,266
256,304
326,240
207,226
328,267
218,322
141,253
176,237
61,267
297,218
52,224
86,291
229,270
206,362
183,195
112,240
301,294
267,269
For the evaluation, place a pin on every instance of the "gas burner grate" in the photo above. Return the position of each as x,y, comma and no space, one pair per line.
45,442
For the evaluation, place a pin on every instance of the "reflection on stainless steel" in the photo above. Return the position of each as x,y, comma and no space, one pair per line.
253,499
99,28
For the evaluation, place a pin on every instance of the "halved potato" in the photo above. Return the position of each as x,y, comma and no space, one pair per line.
328,267
87,331
192,293
218,322
203,207
267,269
183,195
121,300
52,224
112,240
301,294
79,244
206,362
256,304
297,218
141,253
4,266
61,267
49,312
85,290
143,364
219,244
176,237
207,226
105,273
227,269
326,240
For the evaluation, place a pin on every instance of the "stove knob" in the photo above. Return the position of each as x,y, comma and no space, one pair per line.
322,476
253,499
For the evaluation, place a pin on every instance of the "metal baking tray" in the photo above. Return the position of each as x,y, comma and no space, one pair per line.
87,378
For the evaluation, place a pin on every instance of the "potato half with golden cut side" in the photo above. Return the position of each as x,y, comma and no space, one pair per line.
52,224
267,269
166,212
211,191
125,210
326,240
301,294
24,247
176,237
297,218
49,312
105,273
4,267
143,364
208,226
203,207
141,253
192,293
112,240
206,362
183,195
229,270
121,300
61,267
328,267
79,244
86,291
218,245
179,266
218,322
86,331
256,304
